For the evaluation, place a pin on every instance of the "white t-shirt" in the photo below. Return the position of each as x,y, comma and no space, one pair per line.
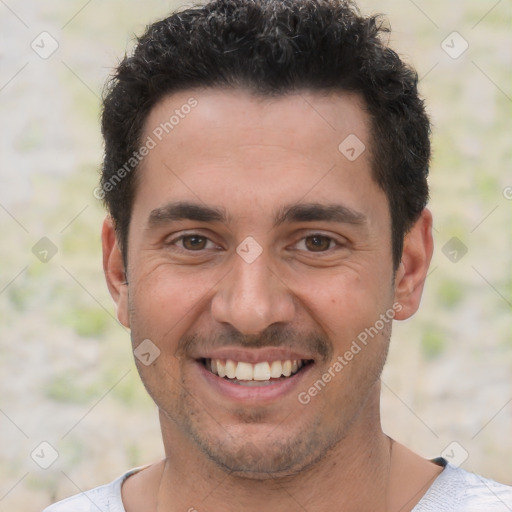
454,490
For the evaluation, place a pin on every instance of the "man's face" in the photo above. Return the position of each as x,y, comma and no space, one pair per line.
281,250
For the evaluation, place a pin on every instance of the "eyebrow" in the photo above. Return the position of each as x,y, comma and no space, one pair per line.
301,212
311,212
184,210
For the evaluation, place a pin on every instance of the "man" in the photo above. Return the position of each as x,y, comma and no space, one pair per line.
265,176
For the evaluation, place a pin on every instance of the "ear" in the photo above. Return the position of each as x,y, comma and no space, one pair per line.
412,271
113,267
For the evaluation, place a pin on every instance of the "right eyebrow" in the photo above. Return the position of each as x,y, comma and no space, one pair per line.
184,210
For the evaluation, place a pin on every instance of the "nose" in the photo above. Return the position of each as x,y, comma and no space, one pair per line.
252,296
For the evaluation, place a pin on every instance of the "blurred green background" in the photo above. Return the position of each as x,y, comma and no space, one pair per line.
66,370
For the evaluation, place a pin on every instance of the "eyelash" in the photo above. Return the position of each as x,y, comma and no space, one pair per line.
320,235
312,235
190,235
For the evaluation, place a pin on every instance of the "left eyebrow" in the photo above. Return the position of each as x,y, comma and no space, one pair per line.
314,212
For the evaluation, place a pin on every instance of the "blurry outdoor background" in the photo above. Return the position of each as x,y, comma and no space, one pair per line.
66,372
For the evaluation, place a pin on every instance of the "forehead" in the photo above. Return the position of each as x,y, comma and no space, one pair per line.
230,147
287,120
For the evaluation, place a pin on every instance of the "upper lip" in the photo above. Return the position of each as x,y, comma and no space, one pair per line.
257,355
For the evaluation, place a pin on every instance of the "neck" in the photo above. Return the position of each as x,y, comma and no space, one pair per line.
353,476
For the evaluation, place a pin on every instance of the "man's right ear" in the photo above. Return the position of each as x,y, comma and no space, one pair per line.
113,266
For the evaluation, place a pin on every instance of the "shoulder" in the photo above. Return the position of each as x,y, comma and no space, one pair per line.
484,494
458,490
106,498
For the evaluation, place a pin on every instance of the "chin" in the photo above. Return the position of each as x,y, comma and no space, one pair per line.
254,463
265,453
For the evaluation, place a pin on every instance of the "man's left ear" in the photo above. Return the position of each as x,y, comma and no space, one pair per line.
412,271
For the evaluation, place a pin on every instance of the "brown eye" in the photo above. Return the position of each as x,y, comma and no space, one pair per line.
318,243
194,242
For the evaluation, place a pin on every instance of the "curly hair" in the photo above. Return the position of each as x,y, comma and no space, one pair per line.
273,47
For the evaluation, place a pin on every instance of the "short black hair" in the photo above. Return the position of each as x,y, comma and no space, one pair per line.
272,47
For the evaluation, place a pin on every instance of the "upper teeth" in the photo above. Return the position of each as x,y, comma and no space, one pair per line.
259,371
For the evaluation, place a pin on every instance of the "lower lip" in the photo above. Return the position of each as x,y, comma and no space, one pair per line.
238,392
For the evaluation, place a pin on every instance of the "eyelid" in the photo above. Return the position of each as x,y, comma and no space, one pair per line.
332,238
339,242
177,237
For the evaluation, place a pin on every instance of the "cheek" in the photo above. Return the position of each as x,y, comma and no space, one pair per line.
163,302
346,303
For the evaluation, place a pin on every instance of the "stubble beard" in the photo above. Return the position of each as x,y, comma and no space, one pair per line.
280,453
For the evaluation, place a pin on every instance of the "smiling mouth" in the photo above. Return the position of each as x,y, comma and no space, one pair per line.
259,374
